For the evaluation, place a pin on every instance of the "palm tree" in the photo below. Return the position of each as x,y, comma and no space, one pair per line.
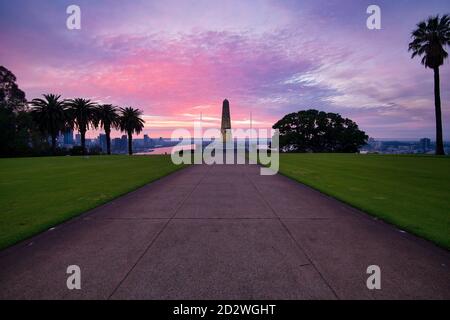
428,42
82,116
50,114
107,117
131,122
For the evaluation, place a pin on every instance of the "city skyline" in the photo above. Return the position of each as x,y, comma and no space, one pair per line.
268,60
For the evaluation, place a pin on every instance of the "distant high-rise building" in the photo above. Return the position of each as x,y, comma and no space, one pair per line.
116,144
147,141
68,137
425,144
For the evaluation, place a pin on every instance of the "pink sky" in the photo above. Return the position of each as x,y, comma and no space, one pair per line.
177,59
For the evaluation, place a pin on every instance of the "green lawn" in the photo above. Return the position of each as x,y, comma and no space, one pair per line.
412,192
37,193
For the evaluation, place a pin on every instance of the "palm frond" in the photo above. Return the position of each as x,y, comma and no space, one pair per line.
429,39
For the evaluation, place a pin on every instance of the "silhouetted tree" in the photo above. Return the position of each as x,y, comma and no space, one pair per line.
82,116
318,131
10,95
131,122
428,42
17,130
50,114
107,117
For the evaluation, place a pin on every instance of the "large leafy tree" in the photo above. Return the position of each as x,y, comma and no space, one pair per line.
50,115
15,124
82,117
131,122
318,131
11,96
428,42
108,118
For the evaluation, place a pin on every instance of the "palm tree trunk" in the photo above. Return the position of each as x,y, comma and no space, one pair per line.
130,143
108,141
437,105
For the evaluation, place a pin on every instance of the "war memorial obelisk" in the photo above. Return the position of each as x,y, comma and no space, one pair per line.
226,122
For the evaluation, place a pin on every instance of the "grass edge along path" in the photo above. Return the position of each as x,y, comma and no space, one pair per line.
39,193
410,192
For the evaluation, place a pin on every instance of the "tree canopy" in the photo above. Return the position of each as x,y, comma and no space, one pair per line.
17,130
318,131
11,96
131,122
429,40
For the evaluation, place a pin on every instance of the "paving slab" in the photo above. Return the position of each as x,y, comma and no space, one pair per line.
224,259
342,249
103,249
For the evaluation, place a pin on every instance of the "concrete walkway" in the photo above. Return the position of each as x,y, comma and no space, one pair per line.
224,232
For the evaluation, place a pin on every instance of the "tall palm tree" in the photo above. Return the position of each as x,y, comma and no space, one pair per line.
82,116
428,42
107,117
50,114
131,122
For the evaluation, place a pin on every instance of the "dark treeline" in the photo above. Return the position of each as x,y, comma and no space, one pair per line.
31,128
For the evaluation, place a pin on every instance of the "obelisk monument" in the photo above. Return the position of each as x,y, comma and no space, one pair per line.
226,122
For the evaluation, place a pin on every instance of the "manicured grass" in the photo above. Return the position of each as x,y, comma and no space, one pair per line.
412,192
38,193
